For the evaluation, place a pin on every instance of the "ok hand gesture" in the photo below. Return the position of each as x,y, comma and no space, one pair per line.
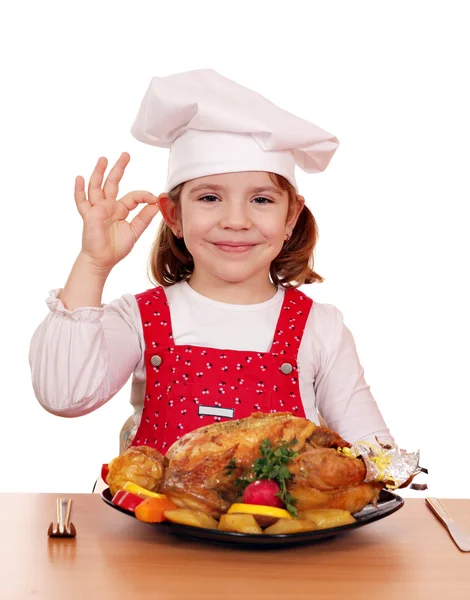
107,236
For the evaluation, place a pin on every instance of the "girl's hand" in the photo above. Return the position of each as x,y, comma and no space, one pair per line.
107,236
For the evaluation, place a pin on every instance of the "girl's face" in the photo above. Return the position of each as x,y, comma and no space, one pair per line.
234,225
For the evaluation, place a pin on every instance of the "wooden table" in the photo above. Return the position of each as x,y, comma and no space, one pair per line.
408,555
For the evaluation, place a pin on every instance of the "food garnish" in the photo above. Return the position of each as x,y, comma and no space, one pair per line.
104,472
257,509
264,515
272,464
264,492
140,491
152,510
127,500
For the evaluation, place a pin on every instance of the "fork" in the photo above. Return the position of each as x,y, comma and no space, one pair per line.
460,537
63,528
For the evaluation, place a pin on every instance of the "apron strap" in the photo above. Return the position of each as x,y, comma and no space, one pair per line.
155,314
291,323
156,319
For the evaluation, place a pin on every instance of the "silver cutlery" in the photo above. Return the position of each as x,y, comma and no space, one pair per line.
63,528
460,537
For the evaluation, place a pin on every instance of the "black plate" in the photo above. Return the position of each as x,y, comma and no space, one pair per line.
388,503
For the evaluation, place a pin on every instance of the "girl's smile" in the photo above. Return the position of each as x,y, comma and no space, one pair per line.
233,247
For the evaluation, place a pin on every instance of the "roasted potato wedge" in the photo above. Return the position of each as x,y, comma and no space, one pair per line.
239,523
327,518
284,526
193,518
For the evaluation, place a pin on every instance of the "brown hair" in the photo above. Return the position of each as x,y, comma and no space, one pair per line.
171,262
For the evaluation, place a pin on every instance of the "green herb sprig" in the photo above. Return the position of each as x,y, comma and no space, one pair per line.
231,466
272,464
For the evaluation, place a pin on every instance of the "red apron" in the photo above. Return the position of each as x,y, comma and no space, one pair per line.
192,386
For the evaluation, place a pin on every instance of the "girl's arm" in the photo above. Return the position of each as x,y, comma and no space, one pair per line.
343,397
84,285
83,353
79,359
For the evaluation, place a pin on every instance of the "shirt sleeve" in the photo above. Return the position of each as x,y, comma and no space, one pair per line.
79,359
343,397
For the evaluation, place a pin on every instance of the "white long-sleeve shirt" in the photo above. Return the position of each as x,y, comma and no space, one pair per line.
80,359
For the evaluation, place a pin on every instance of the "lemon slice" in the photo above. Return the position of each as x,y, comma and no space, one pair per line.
260,510
133,488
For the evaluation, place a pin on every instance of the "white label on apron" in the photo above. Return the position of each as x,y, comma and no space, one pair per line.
215,411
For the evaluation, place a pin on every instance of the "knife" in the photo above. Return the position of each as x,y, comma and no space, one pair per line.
460,537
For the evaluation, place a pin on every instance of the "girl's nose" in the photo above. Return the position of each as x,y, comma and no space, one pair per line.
235,216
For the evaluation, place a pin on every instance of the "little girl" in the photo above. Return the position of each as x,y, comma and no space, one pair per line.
226,332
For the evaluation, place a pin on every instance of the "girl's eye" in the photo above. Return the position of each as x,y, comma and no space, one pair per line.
210,199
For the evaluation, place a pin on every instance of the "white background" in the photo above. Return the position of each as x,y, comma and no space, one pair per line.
390,79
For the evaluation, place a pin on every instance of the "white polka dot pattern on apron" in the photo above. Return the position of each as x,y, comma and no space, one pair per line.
201,384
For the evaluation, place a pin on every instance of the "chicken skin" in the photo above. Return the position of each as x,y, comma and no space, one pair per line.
197,475
201,470
324,478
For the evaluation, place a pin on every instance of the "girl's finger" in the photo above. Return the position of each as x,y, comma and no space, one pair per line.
133,199
141,221
80,196
95,193
111,185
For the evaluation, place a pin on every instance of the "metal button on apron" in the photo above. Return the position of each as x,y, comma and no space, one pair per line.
156,360
287,368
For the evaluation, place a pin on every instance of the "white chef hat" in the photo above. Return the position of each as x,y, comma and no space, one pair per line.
213,125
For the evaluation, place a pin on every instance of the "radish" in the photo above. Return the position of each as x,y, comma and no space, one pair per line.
263,492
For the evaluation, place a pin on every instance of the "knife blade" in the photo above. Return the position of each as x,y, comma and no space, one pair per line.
460,537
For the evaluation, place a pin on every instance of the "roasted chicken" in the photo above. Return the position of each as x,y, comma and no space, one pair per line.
195,472
197,476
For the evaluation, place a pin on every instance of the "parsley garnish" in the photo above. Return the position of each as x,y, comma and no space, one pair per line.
231,466
272,464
